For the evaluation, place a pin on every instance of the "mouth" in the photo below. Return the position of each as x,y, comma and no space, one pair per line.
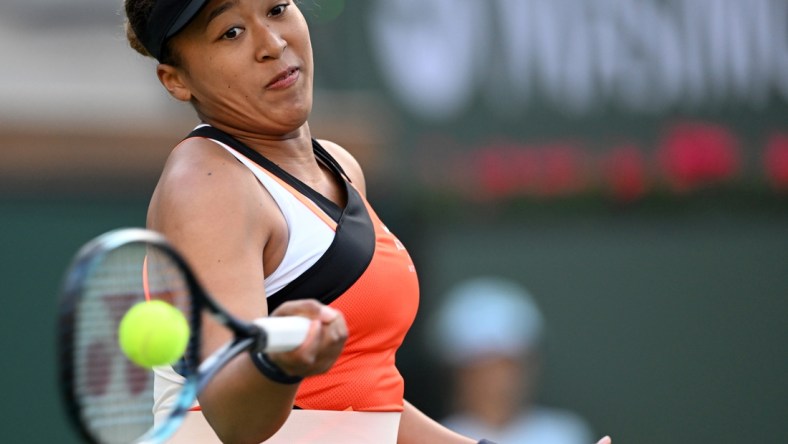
284,79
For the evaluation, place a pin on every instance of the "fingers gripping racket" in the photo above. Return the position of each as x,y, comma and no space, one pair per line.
109,398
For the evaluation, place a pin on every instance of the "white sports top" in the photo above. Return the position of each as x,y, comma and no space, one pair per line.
310,233
309,236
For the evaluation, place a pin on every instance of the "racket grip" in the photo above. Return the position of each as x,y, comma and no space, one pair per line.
283,333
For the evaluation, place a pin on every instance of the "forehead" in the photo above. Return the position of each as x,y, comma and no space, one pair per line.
213,9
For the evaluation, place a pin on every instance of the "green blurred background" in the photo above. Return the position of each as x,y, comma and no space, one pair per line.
665,289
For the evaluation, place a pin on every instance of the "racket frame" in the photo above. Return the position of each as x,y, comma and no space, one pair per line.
247,336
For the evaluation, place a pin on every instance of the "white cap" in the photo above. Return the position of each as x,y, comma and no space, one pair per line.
486,316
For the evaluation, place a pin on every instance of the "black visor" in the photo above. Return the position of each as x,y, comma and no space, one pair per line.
167,18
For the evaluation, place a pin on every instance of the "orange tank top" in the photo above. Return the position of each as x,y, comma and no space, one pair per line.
379,309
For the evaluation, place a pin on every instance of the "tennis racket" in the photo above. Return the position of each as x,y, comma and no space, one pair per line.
109,398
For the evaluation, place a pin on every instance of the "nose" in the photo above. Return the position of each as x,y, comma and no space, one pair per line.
269,42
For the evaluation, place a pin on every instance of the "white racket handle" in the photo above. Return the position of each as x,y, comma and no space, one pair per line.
284,333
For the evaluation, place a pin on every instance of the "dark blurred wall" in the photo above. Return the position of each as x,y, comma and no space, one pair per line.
38,238
661,327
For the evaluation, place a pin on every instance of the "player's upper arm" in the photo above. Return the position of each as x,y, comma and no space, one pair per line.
212,210
348,163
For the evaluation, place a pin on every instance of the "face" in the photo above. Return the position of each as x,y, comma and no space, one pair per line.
246,64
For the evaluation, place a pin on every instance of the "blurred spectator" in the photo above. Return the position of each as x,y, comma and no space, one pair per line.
489,332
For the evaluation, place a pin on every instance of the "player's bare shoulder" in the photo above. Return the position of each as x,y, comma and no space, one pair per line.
348,163
201,179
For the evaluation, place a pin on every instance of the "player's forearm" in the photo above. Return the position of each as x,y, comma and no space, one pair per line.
243,406
249,401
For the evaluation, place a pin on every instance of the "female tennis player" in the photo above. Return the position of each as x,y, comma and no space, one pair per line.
275,221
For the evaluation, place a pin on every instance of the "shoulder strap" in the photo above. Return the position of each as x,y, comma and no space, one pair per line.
328,159
320,152
329,207
210,132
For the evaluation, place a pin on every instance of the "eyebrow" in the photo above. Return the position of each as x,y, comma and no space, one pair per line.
222,8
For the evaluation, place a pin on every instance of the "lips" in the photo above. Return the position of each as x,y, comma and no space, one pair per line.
284,79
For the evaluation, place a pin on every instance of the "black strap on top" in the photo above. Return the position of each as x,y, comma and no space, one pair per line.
329,207
349,254
327,160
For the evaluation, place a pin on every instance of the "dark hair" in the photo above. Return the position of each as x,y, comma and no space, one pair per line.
138,14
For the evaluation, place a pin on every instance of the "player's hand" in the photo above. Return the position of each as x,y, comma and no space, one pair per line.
323,343
605,440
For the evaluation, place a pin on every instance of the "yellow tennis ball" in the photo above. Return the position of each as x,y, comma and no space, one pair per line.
153,333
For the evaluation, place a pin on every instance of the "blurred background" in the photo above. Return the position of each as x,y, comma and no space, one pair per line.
626,161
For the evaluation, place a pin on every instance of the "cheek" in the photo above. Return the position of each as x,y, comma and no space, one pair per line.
217,84
301,40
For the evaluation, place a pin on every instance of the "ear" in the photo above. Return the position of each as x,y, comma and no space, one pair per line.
173,80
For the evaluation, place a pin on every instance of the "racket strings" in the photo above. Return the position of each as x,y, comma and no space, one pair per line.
116,396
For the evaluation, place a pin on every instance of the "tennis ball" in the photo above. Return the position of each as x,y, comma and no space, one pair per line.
153,333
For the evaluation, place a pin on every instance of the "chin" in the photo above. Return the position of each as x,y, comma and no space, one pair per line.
284,127
297,117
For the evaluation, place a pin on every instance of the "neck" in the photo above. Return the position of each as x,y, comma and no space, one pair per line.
293,148
292,152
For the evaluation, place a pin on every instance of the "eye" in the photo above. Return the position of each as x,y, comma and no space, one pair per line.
278,10
232,33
